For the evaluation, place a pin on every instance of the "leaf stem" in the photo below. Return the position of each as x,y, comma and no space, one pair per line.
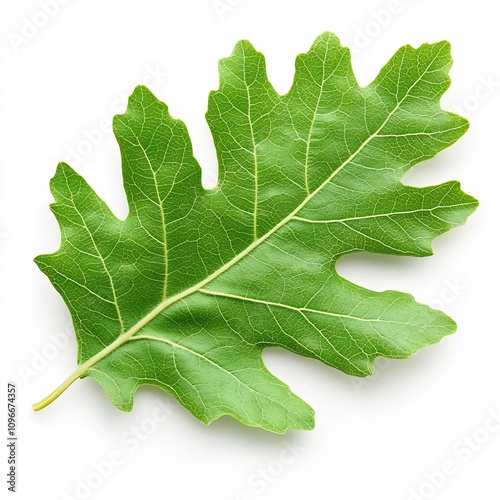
57,392
80,371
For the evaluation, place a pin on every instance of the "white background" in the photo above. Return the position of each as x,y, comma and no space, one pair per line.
379,438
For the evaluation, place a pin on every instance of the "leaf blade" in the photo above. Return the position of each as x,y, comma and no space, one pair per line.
207,279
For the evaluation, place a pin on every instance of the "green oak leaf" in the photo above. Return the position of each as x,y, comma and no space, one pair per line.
187,291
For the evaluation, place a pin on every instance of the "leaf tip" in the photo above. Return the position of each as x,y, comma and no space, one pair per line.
328,37
243,46
137,101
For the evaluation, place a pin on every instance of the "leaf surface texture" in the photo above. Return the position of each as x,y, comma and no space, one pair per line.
186,292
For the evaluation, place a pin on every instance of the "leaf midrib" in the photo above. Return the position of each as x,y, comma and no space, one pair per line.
161,210
125,337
